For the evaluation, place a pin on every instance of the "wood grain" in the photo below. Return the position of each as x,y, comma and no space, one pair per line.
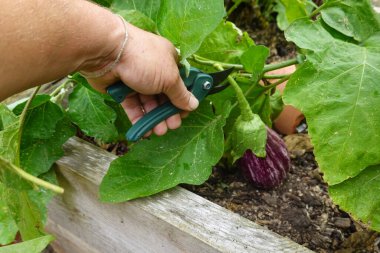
173,221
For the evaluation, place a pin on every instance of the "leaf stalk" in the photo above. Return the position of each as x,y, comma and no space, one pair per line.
224,65
21,124
35,180
245,109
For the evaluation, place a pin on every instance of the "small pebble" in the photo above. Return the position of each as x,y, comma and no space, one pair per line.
342,222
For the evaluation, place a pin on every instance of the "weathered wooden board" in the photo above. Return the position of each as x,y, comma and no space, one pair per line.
174,221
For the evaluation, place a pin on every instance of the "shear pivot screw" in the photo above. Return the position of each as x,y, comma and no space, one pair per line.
207,85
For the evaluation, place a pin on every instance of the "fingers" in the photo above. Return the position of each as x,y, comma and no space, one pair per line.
180,96
174,121
132,107
149,103
137,105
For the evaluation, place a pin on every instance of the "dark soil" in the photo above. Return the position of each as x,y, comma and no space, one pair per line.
260,23
299,209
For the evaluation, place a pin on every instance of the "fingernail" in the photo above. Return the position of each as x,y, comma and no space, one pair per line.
193,102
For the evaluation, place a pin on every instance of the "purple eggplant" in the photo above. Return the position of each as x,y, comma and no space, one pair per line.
270,171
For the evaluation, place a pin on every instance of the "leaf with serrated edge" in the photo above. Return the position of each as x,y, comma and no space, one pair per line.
337,90
185,155
187,23
360,196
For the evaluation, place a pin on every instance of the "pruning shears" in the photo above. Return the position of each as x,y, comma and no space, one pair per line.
199,83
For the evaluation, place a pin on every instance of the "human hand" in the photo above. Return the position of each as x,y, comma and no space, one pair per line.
149,66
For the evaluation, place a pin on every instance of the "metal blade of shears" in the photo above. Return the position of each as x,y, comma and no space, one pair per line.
221,76
219,80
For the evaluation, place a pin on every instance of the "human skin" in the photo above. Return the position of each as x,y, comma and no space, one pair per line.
44,40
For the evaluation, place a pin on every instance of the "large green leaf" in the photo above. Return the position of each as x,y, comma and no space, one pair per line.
360,196
20,206
122,122
25,206
338,91
185,155
353,18
316,37
38,155
41,121
36,245
89,111
226,43
187,23
42,139
37,101
26,214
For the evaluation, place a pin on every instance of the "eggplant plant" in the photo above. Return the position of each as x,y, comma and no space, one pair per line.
336,86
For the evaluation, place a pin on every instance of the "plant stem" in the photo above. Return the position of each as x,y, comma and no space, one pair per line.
246,93
209,62
318,10
280,65
35,180
247,75
233,7
59,88
224,65
21,124
273,85
245,109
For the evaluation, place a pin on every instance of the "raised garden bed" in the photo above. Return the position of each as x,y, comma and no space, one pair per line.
173,221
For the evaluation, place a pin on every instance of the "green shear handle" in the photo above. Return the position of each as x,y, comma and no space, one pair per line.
197,82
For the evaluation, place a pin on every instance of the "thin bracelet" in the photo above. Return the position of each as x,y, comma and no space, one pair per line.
109,67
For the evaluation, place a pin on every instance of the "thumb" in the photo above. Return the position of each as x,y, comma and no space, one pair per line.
181,97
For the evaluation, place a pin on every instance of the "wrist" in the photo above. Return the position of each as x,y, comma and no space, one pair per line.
103,59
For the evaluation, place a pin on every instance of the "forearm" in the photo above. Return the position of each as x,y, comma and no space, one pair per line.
43,40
